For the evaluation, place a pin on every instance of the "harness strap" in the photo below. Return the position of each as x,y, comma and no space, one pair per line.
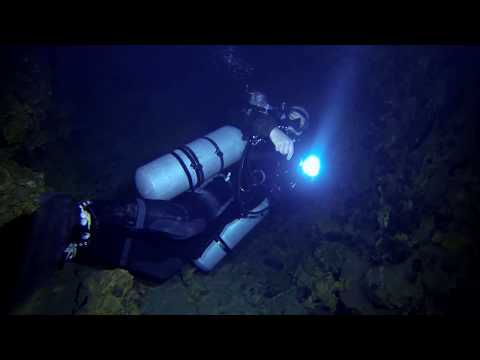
185,169
218,152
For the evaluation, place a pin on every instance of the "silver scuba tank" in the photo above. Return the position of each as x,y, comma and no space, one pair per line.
230,236
188,166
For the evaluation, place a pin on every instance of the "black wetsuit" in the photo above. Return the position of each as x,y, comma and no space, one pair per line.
153,238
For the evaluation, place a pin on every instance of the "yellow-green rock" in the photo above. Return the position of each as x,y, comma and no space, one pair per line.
323,286
112,292
20,190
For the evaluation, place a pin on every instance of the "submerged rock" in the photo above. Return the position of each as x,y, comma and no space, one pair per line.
330,257
354,296
110,292
324,289
441,270
20,190
331,275
423,233
388,287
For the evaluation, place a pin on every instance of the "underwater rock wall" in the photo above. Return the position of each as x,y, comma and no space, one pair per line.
24,103
413,219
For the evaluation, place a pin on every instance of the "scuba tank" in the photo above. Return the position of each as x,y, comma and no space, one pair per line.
232,233
230,236
192,167
189,166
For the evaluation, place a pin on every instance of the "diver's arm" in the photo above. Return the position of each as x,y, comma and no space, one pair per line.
253,123
263,125
266,126
283,144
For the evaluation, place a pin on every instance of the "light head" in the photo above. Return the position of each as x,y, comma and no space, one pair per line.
311,166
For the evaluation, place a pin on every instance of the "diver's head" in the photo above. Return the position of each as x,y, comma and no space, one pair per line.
297,119
259,100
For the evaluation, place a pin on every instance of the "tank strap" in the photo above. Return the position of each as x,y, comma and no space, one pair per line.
195,163
218,152
223,244
184,167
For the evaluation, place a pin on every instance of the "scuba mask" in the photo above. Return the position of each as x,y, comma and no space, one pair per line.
295,120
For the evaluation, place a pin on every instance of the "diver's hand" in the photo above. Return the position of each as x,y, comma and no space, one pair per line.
283,144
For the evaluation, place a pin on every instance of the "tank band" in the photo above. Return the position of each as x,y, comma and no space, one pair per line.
223,244
195,164
184,167
218,152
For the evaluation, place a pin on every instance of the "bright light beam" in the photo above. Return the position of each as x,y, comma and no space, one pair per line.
311,166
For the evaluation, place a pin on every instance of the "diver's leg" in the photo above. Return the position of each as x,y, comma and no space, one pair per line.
149,255
187,215
110,223
150,251
151,226
179,220
210,200
152,256
141,236
120,239
149,215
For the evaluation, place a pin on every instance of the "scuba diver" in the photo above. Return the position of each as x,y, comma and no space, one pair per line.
195,205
